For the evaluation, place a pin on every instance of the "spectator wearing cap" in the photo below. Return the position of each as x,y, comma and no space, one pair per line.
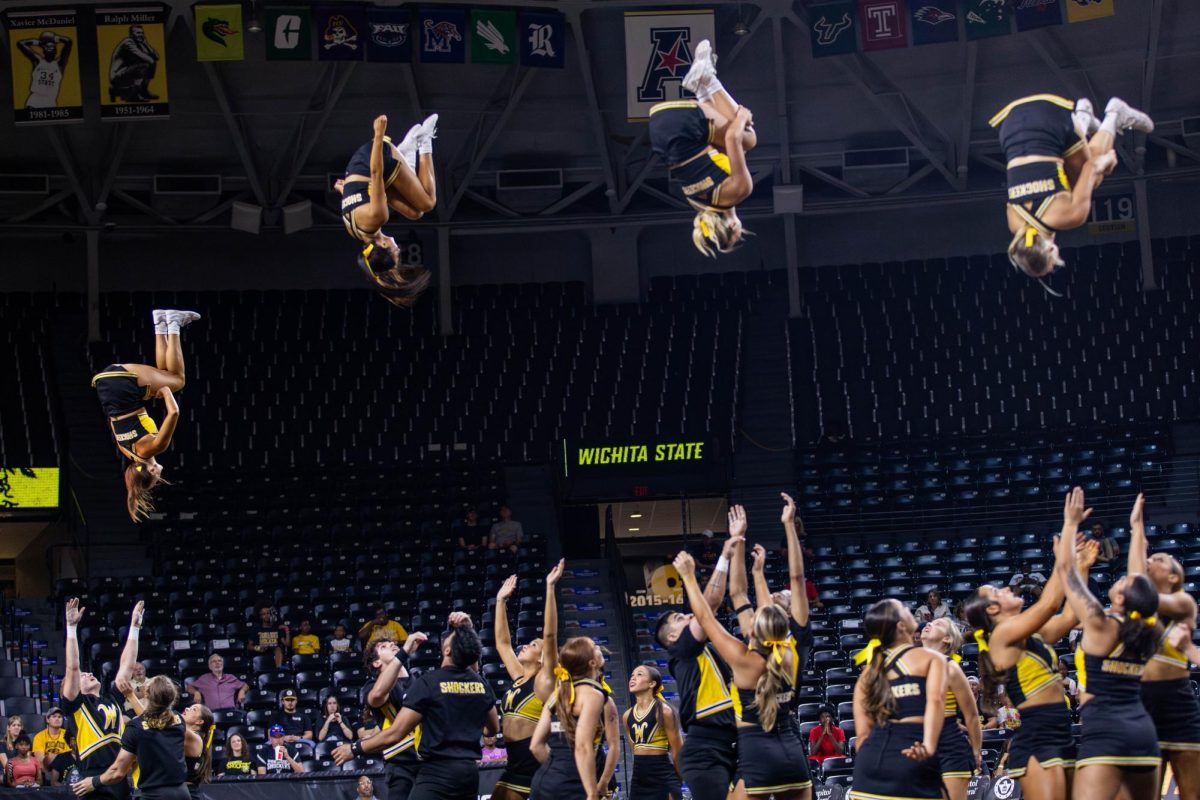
827,740
276,756
934,608
295,724
216,688
52,742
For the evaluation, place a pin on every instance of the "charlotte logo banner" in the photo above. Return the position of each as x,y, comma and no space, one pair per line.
442,34
934,21
831,26
45,66
658,53
219,33
131,47
882,24
288,32
389,35
542,36
493,36
341,33
1084,10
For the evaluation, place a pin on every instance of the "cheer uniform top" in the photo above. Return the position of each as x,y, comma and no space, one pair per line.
120,396
1171,703
520,702
97,724
358,192
774,760
1045,731
881,770
400,759
558,778
160,773
654,777
1037,125
682,136
708,759
1117,730
954,748
454,703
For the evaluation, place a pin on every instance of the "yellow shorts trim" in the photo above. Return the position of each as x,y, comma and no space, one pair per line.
654,109
1033,98
1119,761
785,787
957,774
1075,148
1184,746
515,787
857,795
102,375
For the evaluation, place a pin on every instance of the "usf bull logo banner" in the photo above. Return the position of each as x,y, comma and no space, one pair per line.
132,51
45,66
658,53
219,33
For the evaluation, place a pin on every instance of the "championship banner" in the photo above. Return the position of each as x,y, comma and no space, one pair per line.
1084,10
541,38
131,46
45,66
341,33
389,35
832,29
987,18
219,35
1034,14
28,489
882,24
658,53
289,33
934,21
441,32
493,36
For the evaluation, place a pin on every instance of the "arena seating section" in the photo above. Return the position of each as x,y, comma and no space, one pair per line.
28,435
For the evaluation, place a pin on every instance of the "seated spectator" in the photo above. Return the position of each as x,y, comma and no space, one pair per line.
810,589
827,739
380,627
709,554
491,752
275,756
1069,684
340,642
23,769
305,643
1109,549
1007,715
267,637
64,767
332,726
365,788
934,608
14,729
1026,581
238,758
472,535
218,689
48,744
289,719
507,533
368,726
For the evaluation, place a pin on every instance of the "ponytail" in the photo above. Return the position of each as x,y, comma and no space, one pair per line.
990,678
1140,629
574,660
207,729
879,625
161,695
770,634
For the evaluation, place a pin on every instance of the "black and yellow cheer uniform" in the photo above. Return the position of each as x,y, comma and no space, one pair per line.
708,759
1045,732
358,193
400,760
95,720
454,704
1171,703
558,778
954,749
682,137
193,765
881,770
654,777
120,396
520,702
160,772
774,760
1117,730
1037,125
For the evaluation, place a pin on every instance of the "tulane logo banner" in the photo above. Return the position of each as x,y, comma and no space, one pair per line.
442,34
219,33
389,35
45,66
658,53
132,50
832,29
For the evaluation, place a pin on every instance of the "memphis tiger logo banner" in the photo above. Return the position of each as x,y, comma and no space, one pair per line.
831,26
131,45
658,53
219,33
45,66
442,34
1084,10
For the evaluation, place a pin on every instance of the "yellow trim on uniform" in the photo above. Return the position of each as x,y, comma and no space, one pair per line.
857,795
1167,653
654,109
1049,763
783,787
122,374
711,688
1120,761
1075,148
1177,746
960,774
525,709
515,787
1033,98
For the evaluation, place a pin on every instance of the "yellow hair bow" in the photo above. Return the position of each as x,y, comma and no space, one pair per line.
868,652
956,658
604,685
1151,620
705,228
1030,235
980,640
208,742
776,645
367,250
561,674
658,694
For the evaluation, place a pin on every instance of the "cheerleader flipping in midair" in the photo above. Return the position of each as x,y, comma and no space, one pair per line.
704,142
1053,168
653,732
123,390
383,177
1118,751
958,752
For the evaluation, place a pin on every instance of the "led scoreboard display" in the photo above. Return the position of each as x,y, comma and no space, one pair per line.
655,467
33,489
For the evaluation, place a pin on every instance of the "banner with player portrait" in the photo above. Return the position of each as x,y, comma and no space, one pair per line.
658,53
132,50
45,66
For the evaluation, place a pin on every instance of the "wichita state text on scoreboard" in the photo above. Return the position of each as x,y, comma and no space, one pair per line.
28,489
643,468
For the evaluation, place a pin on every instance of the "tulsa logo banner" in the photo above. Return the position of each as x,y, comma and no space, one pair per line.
132,52
658,53
45,66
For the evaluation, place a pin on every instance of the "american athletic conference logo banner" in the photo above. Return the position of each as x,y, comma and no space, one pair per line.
45,66
658,53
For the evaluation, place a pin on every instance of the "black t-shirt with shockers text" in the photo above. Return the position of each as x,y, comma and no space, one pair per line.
265,756
454,704
294,724
703,677
238,765
159,753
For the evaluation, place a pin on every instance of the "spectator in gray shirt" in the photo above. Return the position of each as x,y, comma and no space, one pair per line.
507,533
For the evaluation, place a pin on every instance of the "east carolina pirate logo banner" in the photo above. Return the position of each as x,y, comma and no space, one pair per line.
288,31
389,35
1033,14
442,35
934,21
45,66
219,33
1083,10
341,33
658,53
541,36
832,29
132,50
882,24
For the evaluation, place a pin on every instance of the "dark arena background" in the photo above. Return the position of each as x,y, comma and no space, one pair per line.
579,382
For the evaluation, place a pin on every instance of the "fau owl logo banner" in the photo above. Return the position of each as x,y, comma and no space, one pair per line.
882,24
658,53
